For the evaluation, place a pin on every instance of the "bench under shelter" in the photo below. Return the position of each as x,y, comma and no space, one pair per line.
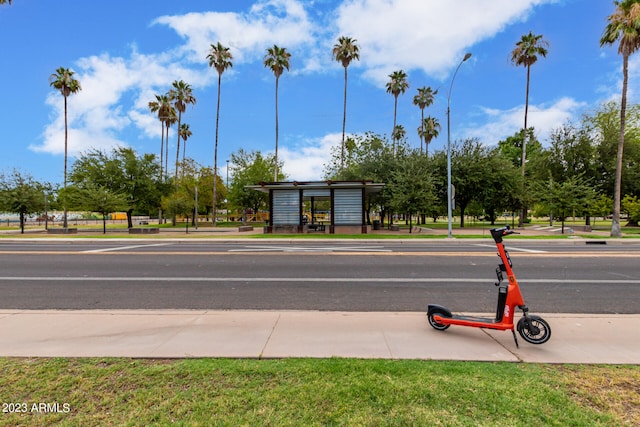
346,213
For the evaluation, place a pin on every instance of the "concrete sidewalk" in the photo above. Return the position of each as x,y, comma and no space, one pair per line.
576,338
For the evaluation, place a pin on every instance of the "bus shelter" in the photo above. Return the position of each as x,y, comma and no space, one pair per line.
293,206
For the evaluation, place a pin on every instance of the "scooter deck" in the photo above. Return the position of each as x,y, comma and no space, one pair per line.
474,319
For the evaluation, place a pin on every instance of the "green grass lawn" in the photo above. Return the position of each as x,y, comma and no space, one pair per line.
296,392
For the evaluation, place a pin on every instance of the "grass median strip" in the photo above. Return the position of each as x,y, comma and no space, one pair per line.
105,391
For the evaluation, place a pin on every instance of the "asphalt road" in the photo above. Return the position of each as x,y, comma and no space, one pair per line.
556,277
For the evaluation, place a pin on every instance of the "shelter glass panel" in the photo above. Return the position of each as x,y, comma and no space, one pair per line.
347,206
286,207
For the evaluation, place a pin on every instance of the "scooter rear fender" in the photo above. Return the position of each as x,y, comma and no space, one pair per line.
435,308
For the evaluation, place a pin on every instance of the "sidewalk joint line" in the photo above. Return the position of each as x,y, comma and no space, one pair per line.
264,347
513,353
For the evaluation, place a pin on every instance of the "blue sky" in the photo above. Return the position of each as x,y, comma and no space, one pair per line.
124,52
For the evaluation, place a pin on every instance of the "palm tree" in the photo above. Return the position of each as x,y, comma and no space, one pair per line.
162,106
397,85
277,59
345,51
423,99
624,25
185,133
181,95
429,129
169,120
398,134
64,81
220,58
526,54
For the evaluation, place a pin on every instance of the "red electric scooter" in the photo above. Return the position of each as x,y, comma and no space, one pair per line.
531,328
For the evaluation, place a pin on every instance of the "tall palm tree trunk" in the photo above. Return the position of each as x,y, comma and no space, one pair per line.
166,153
161,165
64,197
275,166
395,110
617,191
178,147
523,211
215,157
422,133
161,150
344,119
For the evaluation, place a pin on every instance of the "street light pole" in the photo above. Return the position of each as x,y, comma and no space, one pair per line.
449,201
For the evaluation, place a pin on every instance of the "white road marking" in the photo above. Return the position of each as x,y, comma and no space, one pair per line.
510,248
312,249
309,279
124,248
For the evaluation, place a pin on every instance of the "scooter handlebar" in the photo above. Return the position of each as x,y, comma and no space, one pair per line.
498,233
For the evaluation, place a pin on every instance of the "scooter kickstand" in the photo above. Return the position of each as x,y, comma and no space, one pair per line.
515,338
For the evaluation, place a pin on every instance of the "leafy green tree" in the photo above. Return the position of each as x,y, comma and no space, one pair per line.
122,172
179,202
571,153
220,58
345,51
601,206
470,172
195,180
572,196
64,81
438,165
250,168
501,188
21,194
411,186
511,150
631,206
90,197
623,26
368,157
603,127
277,59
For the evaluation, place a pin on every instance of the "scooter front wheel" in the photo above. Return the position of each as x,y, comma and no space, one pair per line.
534,329
434,323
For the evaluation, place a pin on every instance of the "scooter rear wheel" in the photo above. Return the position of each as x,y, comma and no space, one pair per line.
434,323
534,331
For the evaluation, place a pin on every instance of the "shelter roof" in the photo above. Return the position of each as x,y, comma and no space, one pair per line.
369,186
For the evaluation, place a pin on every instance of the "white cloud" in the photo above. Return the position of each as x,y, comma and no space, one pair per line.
500,124
431,36
268,22
79,141
306,161
115,95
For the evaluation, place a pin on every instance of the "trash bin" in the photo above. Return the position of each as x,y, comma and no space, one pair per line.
376,224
